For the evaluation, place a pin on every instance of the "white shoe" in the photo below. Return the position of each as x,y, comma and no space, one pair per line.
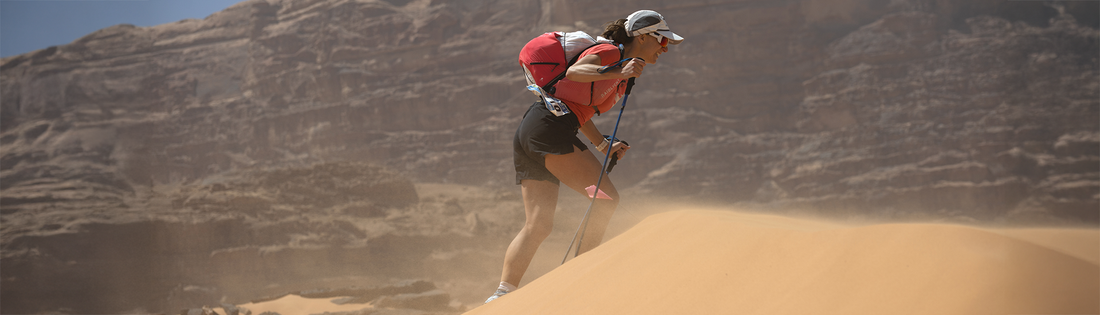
499,293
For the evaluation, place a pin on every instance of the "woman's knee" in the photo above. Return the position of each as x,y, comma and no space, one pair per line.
613,193
539,229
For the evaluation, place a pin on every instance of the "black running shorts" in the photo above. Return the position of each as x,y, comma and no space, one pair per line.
539,134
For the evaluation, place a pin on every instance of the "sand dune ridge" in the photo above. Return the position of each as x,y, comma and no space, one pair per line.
725,262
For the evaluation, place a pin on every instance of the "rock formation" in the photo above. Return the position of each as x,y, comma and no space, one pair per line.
297,129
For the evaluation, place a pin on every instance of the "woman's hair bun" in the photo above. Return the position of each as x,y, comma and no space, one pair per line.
616,31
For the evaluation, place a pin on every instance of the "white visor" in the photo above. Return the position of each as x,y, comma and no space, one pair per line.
648,21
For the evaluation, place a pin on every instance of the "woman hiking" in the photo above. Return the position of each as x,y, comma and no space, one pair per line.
547,151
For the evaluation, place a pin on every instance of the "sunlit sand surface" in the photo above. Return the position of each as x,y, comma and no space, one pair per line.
719,262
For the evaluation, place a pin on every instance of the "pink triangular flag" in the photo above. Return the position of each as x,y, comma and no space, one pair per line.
600,195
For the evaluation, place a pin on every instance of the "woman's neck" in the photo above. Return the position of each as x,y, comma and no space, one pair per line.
631,50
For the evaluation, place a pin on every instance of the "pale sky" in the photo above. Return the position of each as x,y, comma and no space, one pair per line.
29,25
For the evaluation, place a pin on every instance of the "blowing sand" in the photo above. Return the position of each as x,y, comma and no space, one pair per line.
722,262
297,305
717,262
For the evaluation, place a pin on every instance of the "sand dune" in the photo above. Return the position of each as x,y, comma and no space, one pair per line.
714,262
1080,243
297,305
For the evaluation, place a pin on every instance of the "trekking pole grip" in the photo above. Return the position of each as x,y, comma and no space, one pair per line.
629,85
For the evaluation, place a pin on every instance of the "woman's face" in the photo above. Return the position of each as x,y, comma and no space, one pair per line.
652,48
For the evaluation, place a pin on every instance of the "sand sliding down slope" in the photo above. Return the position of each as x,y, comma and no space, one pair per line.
711,262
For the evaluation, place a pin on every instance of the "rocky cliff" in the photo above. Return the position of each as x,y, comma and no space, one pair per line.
305,124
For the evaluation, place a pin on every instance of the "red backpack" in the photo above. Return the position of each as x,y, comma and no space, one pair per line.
545,58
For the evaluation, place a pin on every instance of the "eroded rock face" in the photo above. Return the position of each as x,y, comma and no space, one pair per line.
916,120
430,89
243,235
917,114
305,123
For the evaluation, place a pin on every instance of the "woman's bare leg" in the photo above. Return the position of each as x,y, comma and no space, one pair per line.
540,198
579,170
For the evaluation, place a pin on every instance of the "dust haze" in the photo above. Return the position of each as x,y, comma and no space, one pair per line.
288,152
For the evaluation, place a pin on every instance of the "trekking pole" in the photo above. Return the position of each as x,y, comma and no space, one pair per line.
584,220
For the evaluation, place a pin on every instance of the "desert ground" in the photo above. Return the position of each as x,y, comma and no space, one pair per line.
718,260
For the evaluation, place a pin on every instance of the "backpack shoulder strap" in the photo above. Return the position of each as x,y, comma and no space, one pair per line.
549,87
592,85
